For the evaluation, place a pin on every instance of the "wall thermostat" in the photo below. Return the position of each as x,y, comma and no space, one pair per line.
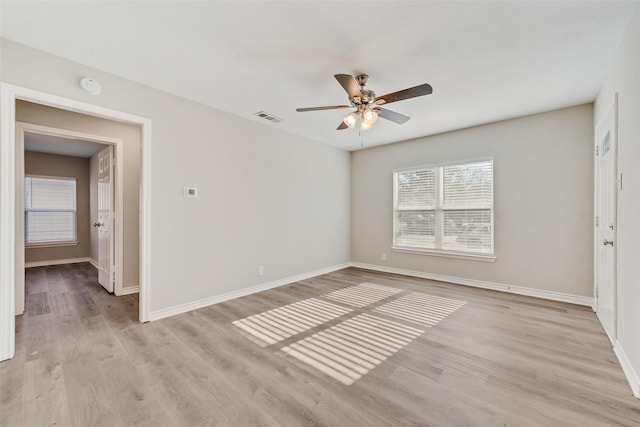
190,192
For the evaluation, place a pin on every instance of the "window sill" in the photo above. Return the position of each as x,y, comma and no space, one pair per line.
50,244
458,255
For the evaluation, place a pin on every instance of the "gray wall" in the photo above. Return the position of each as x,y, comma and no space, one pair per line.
266,197
623,78
68,167
130,135
543,200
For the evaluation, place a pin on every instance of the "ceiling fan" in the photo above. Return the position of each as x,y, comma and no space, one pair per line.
367,104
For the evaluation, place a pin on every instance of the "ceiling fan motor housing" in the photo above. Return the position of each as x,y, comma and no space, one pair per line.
367,96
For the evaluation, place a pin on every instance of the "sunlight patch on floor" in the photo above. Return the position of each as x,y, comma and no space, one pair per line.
283,322
350,349
420,308
362,295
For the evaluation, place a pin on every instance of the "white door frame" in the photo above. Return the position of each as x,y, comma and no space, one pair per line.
21,128
597,243
8,95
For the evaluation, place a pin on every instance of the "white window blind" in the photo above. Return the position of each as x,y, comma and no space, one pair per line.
49,210
445,208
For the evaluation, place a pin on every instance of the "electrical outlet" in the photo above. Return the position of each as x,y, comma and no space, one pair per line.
384,257
260,270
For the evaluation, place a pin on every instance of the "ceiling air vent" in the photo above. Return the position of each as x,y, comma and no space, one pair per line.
268,116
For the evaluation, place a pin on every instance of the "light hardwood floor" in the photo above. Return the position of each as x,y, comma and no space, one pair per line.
491,359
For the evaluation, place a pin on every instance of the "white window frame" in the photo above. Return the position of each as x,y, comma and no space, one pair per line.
43,244
439,210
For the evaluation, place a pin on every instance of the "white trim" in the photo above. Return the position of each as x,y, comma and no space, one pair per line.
19,221
183,308
51,244
8,95
144,299
94,263
56,262
7,222
520,290
69,134
31,175
128,290
627,367
447,254
447,163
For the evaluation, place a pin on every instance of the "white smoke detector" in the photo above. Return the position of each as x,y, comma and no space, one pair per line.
91,86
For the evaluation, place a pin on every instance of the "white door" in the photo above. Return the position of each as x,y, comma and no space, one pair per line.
105,219
605,232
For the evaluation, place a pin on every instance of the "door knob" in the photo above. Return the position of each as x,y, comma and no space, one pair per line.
97,224
607,242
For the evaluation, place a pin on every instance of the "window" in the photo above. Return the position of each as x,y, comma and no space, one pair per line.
49,210
445,209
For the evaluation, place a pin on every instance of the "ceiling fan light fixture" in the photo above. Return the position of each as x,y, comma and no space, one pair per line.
350,120
369,117
365,126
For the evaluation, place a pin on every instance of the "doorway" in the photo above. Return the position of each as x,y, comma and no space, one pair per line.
55,145
9,94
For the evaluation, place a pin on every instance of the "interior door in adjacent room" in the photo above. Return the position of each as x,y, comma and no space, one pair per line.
105,222
606,225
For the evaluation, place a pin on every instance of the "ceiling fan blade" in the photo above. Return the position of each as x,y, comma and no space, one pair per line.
349,85
329,107
393,116
343,125
411,92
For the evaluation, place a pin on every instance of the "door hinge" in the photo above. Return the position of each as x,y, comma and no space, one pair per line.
596,292
597,221
620,182
597,151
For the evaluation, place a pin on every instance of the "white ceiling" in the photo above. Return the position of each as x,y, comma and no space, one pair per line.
486,60
61,146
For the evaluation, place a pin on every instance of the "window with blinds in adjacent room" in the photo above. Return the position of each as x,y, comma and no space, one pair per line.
444,208
49,210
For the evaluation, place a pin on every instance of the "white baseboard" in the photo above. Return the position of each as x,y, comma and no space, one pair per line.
57,262
94,263
172,311
627,367
538,293
128,290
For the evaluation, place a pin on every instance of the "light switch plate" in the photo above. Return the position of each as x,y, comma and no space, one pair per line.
190,192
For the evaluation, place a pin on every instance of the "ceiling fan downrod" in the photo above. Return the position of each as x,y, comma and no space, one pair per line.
367,95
